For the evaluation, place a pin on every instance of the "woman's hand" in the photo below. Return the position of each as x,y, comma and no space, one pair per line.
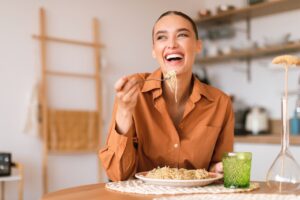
217,168
127,90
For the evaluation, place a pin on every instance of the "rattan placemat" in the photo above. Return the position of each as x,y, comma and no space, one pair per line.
232,197
139,187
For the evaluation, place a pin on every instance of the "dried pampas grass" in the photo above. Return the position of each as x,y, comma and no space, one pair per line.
286,60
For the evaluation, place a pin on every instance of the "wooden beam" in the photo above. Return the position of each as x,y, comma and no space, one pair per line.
67,41
97,63
21,182
75,75
44,101
252,53
256,10
71,152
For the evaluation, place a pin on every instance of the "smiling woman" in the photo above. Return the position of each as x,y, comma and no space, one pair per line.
151,128
175,47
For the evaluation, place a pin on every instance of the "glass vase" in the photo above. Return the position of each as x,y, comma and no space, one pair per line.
284,174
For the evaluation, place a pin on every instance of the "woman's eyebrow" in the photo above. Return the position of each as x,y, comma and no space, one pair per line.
160,32
183,29
178,30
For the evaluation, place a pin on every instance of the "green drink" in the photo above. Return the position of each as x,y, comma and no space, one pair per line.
237,168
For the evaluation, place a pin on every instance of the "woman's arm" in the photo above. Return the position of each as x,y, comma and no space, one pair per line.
119,155
127,90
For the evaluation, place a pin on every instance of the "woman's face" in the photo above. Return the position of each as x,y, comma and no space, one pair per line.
175,44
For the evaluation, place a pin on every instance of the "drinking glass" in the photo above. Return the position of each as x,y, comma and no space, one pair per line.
237,168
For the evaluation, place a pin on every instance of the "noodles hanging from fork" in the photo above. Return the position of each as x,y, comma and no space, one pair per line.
172,82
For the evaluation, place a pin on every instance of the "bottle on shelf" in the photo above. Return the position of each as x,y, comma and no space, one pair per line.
295,120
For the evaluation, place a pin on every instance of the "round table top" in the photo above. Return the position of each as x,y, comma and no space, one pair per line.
93,192
98,191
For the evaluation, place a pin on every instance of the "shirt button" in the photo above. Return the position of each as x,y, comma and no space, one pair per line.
176,145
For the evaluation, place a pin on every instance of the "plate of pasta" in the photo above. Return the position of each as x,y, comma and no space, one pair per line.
178,177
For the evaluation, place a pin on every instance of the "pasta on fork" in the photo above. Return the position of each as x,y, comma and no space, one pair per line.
171,79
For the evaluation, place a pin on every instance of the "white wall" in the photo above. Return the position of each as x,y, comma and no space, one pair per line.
263,156
126,32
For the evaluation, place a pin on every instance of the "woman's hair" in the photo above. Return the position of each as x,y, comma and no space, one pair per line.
172,12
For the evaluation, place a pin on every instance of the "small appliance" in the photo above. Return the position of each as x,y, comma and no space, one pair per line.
5,164
257,121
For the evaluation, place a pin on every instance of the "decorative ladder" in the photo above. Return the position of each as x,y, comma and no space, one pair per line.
43,38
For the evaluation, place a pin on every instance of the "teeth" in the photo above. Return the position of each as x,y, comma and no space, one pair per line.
170,56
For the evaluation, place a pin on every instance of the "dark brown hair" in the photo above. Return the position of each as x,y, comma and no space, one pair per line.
185,16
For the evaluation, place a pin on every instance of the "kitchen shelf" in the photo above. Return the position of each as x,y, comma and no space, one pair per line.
256,10
247,13
265,139
252,53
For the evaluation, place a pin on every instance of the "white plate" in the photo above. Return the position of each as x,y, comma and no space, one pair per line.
182,183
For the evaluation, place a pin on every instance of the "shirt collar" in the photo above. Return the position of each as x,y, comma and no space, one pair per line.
199,90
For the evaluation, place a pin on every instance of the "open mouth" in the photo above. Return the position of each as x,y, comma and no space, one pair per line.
174,57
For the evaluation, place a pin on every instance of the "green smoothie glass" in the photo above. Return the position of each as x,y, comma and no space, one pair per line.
237,168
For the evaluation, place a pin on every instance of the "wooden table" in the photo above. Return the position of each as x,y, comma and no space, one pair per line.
99,192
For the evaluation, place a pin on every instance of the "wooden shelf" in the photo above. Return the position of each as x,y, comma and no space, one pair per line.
253,53
256,10
246,13
265,139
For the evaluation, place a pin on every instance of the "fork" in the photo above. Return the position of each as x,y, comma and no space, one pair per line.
155,79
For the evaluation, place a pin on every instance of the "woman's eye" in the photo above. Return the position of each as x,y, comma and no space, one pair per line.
161,37
183,35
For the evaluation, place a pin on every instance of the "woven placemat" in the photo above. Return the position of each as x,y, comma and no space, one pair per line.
139,187
232,197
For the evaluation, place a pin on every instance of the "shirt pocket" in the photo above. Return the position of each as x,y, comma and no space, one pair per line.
207,134
199,145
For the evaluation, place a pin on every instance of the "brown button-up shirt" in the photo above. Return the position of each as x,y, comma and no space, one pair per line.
204,133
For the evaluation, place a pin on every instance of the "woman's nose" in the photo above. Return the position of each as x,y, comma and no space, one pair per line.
172,43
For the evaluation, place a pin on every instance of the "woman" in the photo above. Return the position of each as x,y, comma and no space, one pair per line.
151,128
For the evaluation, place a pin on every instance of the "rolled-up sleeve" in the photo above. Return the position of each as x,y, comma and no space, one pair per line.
118,156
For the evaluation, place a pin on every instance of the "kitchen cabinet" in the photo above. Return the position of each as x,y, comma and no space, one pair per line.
247,13
272,137
265,139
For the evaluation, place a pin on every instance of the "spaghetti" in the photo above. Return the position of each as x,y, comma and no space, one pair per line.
171,80
178,174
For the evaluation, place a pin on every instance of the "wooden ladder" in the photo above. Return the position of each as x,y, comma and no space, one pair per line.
43,38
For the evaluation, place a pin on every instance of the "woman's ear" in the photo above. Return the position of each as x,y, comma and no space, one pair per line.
199,46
